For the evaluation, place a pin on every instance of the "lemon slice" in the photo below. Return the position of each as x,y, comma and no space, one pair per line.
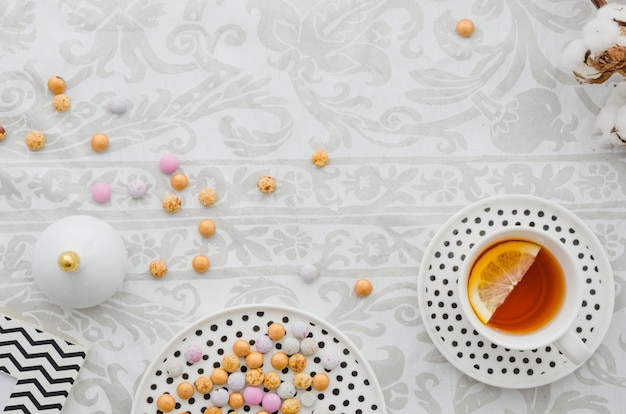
496,273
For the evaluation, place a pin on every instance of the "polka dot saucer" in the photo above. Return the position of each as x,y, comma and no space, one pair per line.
353,385
454,337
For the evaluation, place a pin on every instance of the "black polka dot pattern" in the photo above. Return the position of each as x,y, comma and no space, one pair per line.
353,386
454,337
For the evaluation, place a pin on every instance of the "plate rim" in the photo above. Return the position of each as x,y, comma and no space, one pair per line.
590,237
261,307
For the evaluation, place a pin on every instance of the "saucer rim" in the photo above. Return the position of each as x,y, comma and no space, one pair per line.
536,202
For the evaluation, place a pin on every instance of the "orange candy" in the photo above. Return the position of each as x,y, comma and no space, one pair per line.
465,27
56,84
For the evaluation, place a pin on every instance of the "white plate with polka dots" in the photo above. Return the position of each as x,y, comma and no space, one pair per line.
438,299
353,386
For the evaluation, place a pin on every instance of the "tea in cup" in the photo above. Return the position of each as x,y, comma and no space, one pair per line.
521,289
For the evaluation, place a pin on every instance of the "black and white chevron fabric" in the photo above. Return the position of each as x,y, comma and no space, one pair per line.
45,366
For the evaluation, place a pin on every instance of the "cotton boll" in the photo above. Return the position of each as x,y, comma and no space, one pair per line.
586,71
605,120
620,122
572,55
610,12
599,35
618,95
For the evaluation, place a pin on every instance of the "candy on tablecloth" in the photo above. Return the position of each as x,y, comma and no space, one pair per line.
56,84
137,189
169,163
309,273
101,192
61,102
99,142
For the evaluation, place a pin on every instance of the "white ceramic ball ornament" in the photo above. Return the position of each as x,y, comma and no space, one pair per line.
79,261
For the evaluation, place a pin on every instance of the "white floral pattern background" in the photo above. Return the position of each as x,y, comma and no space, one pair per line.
418,122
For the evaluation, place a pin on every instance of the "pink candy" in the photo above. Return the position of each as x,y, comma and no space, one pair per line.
253,396
169,163
101,192
193,354
271,402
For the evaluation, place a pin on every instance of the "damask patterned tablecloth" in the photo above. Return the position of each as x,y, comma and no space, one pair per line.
418,122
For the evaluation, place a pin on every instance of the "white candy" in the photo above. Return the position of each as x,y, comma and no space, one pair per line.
174,369
300,329
309,273
308,347
308,399
291,346
117,105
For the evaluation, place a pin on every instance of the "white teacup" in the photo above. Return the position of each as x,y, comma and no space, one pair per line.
558,331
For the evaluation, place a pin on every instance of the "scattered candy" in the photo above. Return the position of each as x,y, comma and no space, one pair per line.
271,380
236,381
207,197
206,228
117,105
169,163
320,158
276,331
56,84
253,395
254,359
193,354
35,140
200,263
280,360
171,203
255,376
241,348
174,369
320,381
235,400
99,142
219,376
266,184
137,189
300,329
291,346
302,380
290,406
61,102
166,403
219,397
329,360
308,346
179,181
203,384
231,363
363,287
101,192
185,390
3,133
264,344
308,399
297,362
271,401
309,273
465,27
158,268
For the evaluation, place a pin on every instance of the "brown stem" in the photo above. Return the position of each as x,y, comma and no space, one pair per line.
599,3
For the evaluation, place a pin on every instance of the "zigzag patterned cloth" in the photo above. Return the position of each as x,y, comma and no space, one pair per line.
44,365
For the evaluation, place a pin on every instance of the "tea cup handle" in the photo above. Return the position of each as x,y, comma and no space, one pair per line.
573,348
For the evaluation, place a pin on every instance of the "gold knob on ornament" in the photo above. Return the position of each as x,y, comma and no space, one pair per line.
68,261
